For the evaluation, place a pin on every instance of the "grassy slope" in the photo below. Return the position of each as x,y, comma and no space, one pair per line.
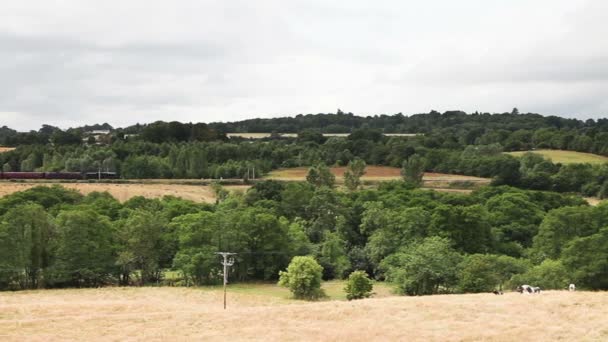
261,314
567,157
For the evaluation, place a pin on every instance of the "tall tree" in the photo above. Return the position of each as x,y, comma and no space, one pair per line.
353,173
321,175
413,170
84,251
25,237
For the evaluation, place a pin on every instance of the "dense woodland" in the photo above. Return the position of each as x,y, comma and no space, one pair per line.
530,226
423,241
452,142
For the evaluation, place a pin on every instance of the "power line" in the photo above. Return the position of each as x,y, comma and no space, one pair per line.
226,262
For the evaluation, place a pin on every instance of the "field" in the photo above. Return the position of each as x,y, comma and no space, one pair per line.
263,312
378,173
123,192
566,157
294,135
6,149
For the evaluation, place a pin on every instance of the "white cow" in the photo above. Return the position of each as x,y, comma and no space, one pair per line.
571,287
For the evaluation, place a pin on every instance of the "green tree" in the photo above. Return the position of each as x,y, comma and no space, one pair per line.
333,256
25,237
550,275
561,226
413,170
358,286
303,278
486,272
353,174
586,260
425,268
220,192
321,175
142,244
198,243
84,251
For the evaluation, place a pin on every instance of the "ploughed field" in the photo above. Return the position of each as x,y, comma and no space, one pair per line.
264,312
566,157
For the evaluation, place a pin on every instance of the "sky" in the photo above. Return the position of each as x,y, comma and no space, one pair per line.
74,62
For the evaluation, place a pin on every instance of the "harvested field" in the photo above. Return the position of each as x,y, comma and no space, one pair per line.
6,149
294,135
122,192
155,314
378,173
566,157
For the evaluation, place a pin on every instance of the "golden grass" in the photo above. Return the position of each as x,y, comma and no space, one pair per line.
6,149
155,314
295,135
376,173
123,192
566,157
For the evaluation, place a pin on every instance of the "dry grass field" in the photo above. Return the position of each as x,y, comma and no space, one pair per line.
566,157
377,173
6,149
190,314
123,192
295,135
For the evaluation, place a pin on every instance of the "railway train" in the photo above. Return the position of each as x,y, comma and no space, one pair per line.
58,175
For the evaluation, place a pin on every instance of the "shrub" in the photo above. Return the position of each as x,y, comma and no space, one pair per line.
303,278
550,275
359,286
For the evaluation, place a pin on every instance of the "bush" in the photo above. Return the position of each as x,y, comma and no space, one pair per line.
550,275
303,278
359,286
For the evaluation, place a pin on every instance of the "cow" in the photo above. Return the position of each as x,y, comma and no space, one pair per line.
571,288
527,289
497,292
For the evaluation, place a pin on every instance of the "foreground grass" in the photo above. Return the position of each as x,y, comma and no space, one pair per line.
163,313
271,292
566,157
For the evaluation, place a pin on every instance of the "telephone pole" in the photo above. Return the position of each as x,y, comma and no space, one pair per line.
226,262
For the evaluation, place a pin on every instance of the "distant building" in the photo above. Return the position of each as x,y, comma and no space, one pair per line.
99,132
100,135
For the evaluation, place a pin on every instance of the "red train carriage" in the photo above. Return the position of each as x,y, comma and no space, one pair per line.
22,175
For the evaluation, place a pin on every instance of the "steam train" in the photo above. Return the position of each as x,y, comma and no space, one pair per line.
58,175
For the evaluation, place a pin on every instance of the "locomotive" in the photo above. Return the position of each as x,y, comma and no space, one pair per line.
58,175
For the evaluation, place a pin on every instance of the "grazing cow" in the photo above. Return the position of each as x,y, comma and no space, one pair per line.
527,289
497,292
572,287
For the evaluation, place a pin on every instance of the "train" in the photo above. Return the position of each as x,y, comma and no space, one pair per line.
58,175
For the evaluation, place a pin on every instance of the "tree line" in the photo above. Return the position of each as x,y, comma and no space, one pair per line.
424,242
444,151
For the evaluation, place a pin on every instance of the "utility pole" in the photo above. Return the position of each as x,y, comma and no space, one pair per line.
226,262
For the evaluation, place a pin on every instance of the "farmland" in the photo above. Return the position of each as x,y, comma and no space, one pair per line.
123,192
264,312
6,149
379,173
566,157
295,135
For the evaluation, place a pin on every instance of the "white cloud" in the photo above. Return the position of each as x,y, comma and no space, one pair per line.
77,62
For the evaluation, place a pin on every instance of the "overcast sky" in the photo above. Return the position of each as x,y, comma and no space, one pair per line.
75,62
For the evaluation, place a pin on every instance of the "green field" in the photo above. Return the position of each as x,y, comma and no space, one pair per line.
566,157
